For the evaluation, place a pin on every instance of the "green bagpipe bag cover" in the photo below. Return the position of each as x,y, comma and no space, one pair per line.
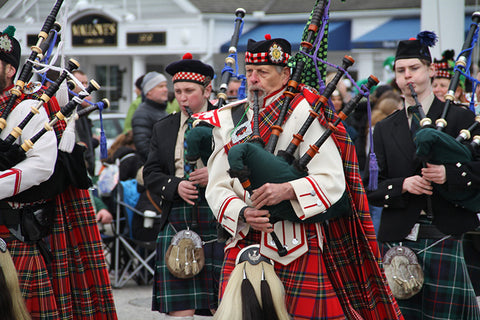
199,142
438,147
250,160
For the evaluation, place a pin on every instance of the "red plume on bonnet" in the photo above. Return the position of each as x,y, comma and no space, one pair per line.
268,36
187,56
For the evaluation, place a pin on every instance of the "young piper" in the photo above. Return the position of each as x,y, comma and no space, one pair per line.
415,215
179,290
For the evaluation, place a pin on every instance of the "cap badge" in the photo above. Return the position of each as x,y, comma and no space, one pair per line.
5,43
276,53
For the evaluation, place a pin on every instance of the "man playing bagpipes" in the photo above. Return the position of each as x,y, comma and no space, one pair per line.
66,278
421,228
189,257
330,270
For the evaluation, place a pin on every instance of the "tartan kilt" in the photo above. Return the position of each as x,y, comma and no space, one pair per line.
309,294
34,280
79,271
201,291
321,286
447,292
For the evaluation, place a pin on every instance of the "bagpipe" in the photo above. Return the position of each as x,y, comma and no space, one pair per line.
69,167
254,165
435,146
461,67
44,37
231,61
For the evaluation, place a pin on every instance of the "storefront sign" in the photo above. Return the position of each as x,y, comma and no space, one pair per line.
146,38
94,30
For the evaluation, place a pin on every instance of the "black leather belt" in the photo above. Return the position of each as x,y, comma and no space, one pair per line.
9,216
429,232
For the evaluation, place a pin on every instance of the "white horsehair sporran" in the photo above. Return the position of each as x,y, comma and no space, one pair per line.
404,274
185,257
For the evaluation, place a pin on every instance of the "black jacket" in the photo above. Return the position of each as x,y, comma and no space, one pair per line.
159,170
395,151
143,120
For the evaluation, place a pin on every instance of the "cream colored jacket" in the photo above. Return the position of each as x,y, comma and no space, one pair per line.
316,192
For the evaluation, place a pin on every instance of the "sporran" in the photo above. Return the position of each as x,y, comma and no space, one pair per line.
185,257
404,274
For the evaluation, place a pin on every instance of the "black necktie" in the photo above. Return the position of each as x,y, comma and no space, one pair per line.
188,168
415,125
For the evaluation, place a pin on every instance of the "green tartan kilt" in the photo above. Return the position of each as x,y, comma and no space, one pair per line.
201,291
447,292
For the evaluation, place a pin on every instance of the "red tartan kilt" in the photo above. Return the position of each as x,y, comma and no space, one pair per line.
34,281
309,294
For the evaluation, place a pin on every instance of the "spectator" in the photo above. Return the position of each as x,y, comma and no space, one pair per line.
152,109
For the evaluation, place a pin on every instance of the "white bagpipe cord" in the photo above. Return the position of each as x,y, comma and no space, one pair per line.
67,142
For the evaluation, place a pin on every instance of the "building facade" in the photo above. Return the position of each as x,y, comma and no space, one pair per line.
115,41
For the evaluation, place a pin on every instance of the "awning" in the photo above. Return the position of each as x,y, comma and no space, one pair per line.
390,33
338,35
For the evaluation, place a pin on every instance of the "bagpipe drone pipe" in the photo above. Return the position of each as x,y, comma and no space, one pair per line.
70,168
45,36
462,65
231,62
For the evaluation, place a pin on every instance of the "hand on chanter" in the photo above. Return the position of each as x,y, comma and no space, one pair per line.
272,193
417,185
435,173
187,191
258,219
199,176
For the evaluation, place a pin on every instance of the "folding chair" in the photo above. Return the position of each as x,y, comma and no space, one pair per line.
140,253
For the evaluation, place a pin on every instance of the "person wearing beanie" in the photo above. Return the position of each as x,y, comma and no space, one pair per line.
181,186
151,109
417,221
67,277
311,289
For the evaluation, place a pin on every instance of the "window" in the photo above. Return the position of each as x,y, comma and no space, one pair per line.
109,77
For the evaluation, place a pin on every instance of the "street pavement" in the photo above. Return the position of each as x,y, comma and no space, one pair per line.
134,302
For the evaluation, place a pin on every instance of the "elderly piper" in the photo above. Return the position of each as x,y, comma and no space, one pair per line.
314,289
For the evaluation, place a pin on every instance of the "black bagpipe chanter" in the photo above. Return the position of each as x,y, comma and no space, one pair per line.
434,145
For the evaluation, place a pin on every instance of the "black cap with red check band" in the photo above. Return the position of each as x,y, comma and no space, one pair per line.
190,70
269,51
